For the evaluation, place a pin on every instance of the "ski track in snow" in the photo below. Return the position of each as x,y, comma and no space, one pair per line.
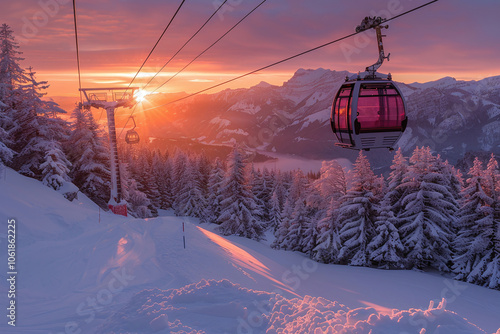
128,275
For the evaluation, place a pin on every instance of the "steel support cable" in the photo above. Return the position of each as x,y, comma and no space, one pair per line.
186,43
257,70
77,52
213,44
286,59
154,47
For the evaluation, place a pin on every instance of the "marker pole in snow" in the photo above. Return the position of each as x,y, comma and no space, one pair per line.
183,235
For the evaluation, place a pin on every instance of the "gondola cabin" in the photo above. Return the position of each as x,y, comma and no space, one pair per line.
368,113
132,137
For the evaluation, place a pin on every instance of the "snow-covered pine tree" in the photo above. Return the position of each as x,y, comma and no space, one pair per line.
475,212
179,165
274,212
144,176
89,156
12,76
486,271
260,192
6,153
281,233
38,126
327,241
161,170
453,177
215,197
279,190
204,169
327,190
55,167
311,232
332,181
394,193
264,193
298,224
238,208
298,185
137,201
425,224
386,249
357,214
492,273
191,198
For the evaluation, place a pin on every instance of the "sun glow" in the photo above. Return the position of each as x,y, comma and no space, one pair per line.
140,95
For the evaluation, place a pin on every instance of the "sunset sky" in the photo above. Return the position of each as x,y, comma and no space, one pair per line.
457,38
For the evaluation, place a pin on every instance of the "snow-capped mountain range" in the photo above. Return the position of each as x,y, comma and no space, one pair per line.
450,116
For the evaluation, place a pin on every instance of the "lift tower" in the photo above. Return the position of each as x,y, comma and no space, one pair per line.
110,99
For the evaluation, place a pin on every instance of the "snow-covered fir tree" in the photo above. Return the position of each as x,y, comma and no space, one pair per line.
386,249
279,191
215,197
357,214
310,237
426,223
204,169
394,192
258,190
89,155
262,188
475,211
274,212
162,174
38,127
179,167
191,200
137,201
55,167
238,208
299,184
332,181
328,241
325,192
294,239
281,233
6,153
12,76
486,271
145,178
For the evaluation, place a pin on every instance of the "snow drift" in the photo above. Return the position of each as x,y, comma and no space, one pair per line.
223,307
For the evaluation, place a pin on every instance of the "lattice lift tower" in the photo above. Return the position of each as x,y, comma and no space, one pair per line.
110,99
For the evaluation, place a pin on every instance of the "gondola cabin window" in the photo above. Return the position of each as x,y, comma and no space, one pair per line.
380,108
343,109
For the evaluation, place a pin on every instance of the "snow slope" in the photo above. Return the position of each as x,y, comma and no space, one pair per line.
123,275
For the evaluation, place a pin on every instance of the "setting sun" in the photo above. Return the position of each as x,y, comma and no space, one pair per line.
140,95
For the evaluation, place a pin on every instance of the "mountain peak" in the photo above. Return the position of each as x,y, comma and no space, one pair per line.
446,81
262,84
304,77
